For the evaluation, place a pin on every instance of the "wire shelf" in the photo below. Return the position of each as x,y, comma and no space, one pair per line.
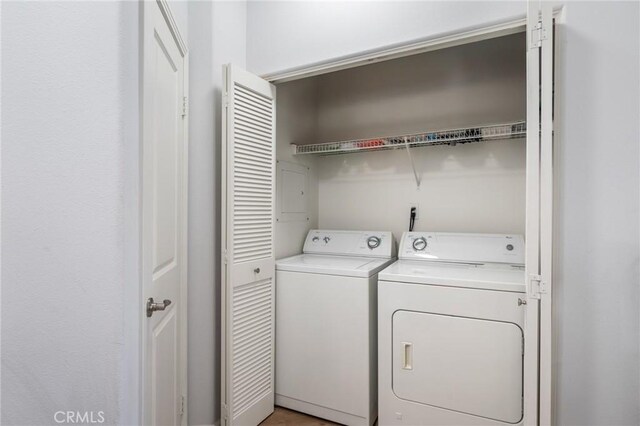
446,137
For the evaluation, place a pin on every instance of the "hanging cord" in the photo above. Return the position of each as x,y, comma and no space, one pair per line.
413,166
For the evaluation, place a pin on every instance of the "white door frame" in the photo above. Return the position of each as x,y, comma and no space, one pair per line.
547,68
140,312
414,47
455,38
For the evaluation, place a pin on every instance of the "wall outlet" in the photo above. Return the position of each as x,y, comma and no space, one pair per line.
417,207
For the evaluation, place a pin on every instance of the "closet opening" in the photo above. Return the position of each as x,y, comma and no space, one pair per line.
433,143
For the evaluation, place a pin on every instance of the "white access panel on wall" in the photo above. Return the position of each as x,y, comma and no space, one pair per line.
291,193
248,255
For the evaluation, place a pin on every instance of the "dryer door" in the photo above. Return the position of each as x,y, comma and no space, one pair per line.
467,365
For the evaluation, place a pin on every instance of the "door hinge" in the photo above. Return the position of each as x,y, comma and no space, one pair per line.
225,100
182,405
537,286
225,258
538,34
225,412
185,106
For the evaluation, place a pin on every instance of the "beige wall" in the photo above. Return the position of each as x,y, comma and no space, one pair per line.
295,122
466,188
474,84
469,188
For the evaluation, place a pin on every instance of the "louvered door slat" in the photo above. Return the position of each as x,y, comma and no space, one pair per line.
240,153
259,139
249,271
243,369
248,95
246,115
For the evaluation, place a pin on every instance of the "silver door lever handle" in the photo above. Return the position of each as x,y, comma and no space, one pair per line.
156,306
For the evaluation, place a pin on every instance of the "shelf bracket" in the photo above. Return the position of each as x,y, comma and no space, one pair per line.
413,164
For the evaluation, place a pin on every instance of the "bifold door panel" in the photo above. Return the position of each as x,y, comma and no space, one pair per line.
248,248
462,364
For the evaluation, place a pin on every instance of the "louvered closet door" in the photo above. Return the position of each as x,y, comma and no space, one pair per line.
248,201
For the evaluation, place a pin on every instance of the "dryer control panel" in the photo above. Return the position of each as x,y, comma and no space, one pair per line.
353,243
461,247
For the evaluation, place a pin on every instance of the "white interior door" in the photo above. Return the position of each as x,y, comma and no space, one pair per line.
248,273
164,201
537,374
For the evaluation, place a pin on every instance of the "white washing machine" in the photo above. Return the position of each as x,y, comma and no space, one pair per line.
450,331
326,324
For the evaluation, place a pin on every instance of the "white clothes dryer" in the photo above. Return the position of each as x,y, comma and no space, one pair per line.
326,324
450,331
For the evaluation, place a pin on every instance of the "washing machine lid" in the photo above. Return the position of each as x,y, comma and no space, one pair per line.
347,266
485,276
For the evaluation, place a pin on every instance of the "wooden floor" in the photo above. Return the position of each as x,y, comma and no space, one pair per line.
283,417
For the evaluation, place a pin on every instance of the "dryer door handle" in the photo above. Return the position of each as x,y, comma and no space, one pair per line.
407,356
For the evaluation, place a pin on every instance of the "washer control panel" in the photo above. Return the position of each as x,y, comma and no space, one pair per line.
462,247
355,243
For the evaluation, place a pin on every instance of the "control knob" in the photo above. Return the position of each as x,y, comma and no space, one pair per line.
373,242
419,244
326,240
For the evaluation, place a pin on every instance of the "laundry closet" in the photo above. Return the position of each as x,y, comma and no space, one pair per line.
427,155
